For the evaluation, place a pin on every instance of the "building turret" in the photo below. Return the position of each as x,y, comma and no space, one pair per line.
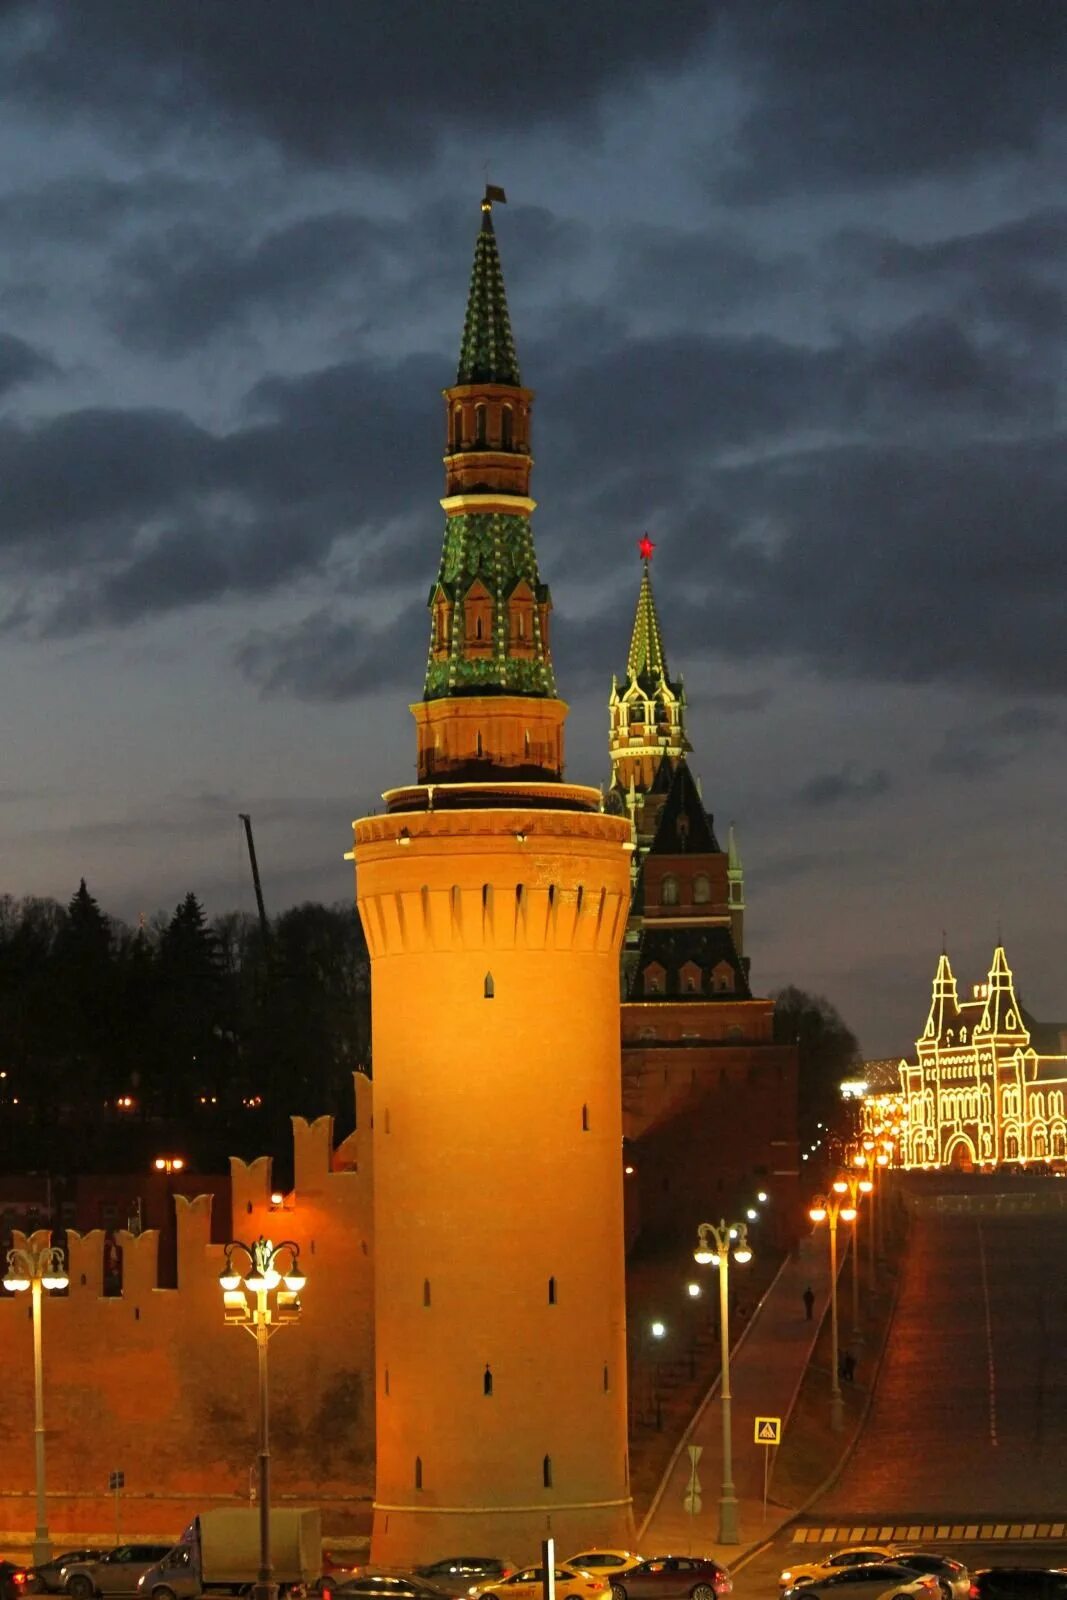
1002,1018
494,898
489,610
944,1004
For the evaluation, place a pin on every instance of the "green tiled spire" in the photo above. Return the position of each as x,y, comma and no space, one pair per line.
487,354
646,658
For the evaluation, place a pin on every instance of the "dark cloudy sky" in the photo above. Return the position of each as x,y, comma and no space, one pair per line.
789,282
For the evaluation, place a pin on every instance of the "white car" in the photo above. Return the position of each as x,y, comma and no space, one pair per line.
853,1555
862,1582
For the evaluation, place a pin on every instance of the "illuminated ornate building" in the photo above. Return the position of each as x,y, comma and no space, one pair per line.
709,1100
989,1083
494,898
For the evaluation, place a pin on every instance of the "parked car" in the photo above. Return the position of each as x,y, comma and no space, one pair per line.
853,1555
869,1582
374,1584
604,1561
527,1585
14,1581
50,1577
457,1575
952,1576
672,1578
116,1572
1019,1583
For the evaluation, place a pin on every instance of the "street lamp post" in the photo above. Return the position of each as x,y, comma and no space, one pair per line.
870,1158
828,1208
714,1243
37,1268
276,1303
857,1186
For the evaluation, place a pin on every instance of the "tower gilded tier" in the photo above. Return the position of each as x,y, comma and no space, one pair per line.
494,898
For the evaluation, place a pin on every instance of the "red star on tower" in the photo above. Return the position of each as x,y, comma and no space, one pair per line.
646,547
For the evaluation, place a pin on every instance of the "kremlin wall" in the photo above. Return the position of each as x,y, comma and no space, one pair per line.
151,1382
569,1060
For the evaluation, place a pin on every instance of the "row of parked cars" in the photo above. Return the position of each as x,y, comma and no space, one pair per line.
894,1572
594,1574
83,1573
588,1575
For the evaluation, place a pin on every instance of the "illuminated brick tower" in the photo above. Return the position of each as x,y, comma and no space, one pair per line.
494,898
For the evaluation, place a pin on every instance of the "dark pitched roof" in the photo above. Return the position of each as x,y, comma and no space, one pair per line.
704,946
684,826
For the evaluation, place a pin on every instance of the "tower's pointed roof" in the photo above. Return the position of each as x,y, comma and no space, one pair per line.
684,826
487,354
1001,1016
944,1002
733,853
646,659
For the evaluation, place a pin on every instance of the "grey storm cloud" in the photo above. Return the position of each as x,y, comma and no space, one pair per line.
1010,275
327,657
847,784
376,82
975,749
847,96
175,288
20,363
877,556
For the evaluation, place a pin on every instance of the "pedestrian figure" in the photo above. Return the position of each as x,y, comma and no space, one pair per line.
809,1302
848,1366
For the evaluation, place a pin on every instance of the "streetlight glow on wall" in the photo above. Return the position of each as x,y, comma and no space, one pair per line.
830,1208
715,1241
275,1279
37,1268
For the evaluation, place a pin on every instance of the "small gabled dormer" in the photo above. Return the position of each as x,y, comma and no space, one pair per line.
521,620
691,979
441,609
478,610
654,979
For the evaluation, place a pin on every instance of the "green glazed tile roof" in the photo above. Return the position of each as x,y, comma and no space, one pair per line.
646,658
498,550
487,354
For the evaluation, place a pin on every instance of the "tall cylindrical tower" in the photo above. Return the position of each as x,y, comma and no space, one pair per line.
494,898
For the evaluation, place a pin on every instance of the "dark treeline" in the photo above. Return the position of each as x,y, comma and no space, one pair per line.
182,1035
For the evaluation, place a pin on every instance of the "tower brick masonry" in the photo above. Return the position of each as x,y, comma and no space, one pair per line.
495,904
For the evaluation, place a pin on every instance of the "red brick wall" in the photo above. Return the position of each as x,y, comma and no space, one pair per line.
154,1383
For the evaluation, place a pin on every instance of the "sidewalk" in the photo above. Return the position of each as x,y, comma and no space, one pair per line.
767,1366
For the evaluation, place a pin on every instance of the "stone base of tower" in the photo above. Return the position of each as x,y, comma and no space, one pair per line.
404,1535
494,915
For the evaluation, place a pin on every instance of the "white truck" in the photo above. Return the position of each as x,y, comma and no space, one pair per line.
219,1554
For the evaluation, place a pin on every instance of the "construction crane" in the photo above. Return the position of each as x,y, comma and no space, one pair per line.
263,923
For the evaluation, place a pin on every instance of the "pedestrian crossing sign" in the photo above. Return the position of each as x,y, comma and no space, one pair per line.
768,1430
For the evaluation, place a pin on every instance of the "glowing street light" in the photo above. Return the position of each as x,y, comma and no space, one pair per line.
37,1268
169,1164
715,1241
274,1278
829,1208
870,1159
854,1186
